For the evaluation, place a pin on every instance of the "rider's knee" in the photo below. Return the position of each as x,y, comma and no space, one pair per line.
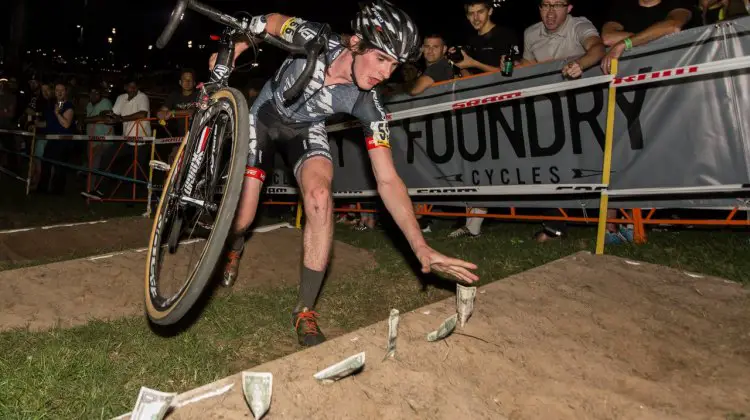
317,199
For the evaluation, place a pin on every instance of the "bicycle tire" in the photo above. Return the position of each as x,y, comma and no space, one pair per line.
180,304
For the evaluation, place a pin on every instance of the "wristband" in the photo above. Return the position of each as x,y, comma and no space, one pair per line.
628,44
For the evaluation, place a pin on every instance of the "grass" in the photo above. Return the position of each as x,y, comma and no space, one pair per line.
96,370
17,210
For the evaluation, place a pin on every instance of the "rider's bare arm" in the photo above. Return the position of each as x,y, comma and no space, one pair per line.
395,196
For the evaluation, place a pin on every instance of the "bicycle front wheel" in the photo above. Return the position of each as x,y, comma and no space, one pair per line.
197,207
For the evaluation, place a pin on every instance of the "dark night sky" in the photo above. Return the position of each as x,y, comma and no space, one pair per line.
52,25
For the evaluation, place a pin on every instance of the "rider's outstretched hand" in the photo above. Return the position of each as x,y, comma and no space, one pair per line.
433,261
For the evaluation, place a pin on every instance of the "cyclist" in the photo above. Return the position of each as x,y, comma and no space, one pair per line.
343,81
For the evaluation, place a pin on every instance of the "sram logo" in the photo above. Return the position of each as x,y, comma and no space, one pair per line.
580,188
445,190
488,100
654,75
278,190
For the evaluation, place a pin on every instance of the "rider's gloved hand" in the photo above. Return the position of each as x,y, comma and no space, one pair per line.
257,25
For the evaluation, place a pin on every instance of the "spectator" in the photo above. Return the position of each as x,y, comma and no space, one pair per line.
46,105
96,116
491,43
637,22
59,119
130,107
560,36
180,104
437,69
488,49
7,119
34,103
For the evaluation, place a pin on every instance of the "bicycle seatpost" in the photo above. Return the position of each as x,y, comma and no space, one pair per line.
224,58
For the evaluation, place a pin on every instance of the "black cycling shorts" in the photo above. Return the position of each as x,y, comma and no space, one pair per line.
271,132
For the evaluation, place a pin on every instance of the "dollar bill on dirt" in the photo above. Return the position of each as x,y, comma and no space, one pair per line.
257,387
392,333
152,404
341,369
465,302
444,330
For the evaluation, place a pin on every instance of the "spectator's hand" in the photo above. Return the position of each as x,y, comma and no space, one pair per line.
614,53
572,70
164,115
467,62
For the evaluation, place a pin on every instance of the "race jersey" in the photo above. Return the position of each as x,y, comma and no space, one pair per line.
319,102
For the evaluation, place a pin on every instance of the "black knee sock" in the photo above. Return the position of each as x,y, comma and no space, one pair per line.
309,287
236,241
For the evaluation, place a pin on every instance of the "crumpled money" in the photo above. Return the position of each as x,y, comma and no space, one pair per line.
152,404
445,329
257,387
465,302
341,369
392,333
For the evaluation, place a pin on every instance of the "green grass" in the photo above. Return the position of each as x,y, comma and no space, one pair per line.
96,370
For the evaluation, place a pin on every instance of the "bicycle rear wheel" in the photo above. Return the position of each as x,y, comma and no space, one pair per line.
200,194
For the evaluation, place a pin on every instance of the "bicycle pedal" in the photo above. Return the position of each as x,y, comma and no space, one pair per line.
159,165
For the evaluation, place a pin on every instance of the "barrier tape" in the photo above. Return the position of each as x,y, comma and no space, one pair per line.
82,137
165,140
12,174
484,100
78,168
17,132
682,72
706,189
636,79
536,189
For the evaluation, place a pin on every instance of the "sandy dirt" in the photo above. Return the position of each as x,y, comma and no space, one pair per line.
64,242
72,292
584,337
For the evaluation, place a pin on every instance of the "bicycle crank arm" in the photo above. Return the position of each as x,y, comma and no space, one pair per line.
200,203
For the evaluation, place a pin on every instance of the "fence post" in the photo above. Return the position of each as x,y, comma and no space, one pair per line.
31,159
298,218
607,165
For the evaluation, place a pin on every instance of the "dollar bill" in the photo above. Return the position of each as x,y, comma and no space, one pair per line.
257,387
445,329
341,369
152,404
392,334
465,302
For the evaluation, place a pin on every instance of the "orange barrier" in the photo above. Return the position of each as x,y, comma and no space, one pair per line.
135,168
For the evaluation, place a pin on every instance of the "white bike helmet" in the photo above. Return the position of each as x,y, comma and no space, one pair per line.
388,28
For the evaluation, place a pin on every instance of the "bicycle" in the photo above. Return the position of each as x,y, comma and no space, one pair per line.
203,185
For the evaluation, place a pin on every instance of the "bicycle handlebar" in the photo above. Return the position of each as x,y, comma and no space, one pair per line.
310,50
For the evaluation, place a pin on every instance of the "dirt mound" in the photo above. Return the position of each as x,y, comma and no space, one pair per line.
73,292
582,337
